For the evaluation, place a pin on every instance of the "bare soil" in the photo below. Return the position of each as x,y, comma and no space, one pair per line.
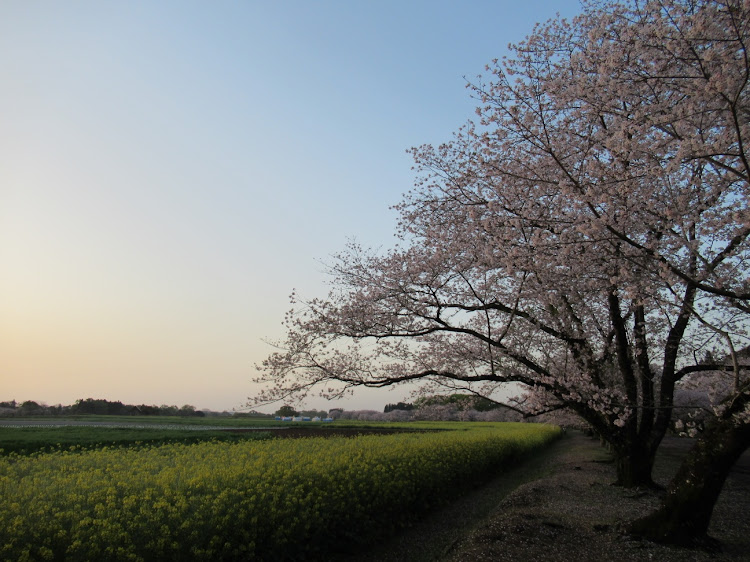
561,506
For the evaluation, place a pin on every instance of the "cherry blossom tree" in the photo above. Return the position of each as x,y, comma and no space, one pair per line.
685,513
586,237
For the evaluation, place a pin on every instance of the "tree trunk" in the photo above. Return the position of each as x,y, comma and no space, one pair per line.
633,457
634,464
634,470
686,510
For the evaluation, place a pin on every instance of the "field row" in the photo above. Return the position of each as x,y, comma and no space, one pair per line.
48,438
278,499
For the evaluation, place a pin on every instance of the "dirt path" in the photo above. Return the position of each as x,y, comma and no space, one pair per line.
560,505
431,537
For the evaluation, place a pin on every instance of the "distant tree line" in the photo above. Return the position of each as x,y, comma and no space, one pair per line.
437,407
288,411
98,406
461,407
451,407
405,406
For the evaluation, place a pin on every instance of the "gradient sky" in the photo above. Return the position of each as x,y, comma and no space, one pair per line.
170,171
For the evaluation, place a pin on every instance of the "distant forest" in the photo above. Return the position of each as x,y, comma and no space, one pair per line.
99,406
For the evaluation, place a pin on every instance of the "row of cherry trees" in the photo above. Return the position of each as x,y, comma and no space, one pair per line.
586,237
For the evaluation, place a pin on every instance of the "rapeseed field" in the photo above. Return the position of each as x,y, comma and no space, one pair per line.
283,499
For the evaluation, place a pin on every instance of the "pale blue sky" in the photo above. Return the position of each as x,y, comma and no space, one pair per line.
170,171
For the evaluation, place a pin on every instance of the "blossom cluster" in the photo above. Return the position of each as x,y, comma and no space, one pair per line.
286,499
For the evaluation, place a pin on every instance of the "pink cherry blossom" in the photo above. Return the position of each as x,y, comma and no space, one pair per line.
586,237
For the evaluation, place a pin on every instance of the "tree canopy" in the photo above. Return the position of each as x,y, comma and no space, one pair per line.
586,236
286,410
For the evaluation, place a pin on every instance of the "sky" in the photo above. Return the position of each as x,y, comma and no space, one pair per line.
171,170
